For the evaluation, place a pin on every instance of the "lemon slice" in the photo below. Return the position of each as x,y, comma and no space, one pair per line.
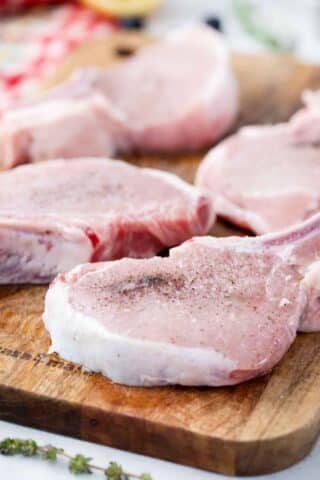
122,8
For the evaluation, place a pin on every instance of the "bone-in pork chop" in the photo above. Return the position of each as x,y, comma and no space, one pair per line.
55,215
177,94
267,178
217,311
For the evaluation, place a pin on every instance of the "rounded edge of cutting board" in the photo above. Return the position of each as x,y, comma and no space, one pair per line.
275,454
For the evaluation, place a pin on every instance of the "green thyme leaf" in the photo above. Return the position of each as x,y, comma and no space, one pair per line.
113,472
10,446
51,453
29,448
79,464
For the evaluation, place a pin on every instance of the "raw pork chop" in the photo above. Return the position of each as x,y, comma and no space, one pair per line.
58,214
178,94
268,178
217,311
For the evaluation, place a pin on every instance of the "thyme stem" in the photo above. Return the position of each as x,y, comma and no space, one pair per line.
78,464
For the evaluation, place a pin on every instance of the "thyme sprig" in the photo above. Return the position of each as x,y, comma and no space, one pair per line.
77,464
246,14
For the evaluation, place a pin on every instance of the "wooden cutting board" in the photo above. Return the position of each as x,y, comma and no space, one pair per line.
259,427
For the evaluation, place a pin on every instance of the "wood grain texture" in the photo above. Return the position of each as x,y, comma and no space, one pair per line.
259,427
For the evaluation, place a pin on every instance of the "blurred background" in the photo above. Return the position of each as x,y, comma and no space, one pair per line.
36,35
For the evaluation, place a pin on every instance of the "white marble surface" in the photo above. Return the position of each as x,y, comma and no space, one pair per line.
299,20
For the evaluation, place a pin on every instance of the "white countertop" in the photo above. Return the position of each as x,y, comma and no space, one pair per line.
302,21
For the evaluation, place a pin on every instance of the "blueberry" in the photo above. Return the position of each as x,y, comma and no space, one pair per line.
215,22
132,23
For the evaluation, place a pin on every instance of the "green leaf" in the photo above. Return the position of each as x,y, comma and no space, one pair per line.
29,448
79,464
51,452
114,472
10,446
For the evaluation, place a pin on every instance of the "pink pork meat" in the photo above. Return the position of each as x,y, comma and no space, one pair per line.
266,178
55,215
177,94
217,311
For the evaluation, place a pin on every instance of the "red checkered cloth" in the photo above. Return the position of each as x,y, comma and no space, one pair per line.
32,45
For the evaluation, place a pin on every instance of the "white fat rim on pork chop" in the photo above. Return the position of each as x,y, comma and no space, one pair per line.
129,361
